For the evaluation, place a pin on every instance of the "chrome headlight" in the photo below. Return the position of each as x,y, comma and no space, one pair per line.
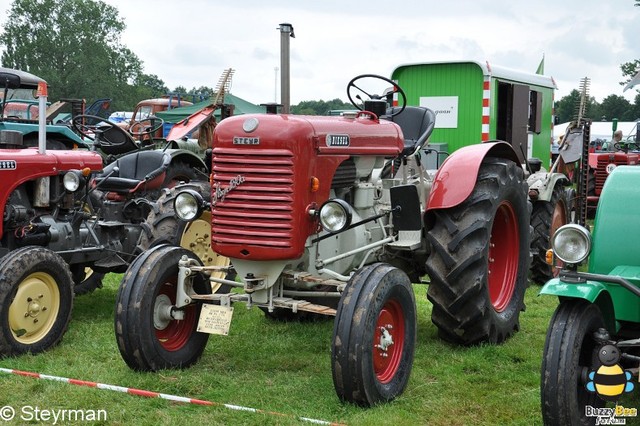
571,243
72,180
188,205
335,215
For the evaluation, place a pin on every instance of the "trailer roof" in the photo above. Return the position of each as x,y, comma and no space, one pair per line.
496,71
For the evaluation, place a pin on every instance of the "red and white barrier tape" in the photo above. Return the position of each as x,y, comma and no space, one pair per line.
150,394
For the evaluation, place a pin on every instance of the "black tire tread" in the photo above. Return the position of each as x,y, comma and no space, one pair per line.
457,265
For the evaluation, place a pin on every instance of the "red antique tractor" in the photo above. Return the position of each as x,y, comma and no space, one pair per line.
337,216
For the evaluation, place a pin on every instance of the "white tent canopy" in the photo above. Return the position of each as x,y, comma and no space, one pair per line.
602,130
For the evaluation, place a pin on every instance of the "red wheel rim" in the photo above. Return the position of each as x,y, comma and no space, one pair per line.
177,333
503,256
388,341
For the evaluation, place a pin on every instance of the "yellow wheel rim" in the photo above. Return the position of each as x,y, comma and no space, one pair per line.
197,238
35,308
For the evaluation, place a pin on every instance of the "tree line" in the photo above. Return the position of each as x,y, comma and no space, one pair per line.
76,46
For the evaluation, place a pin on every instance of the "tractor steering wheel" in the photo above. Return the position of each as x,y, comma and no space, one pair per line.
628,146
91,127
104,134
396,89
154,124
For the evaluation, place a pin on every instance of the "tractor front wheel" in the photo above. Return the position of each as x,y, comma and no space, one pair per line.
374,336
36,300
148,337
546,217
569,353
479,258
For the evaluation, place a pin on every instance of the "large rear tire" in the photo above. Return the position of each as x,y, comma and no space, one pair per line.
569,353
374,336
479,258
147,339
36,300
546,218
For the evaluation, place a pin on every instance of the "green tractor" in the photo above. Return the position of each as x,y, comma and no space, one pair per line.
592,349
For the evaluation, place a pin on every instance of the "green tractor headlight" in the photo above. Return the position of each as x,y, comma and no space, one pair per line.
571,243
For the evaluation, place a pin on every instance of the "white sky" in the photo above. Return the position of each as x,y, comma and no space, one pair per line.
191,42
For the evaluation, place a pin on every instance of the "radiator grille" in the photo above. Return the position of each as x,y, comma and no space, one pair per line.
259,211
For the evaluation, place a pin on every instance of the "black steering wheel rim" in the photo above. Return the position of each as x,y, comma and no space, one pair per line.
396,89
149,130
91,131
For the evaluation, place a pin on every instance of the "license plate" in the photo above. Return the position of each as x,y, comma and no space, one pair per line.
215,319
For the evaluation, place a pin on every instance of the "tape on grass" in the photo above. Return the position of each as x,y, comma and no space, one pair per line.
150,394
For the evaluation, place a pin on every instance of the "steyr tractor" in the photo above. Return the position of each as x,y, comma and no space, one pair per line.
337,216
56,227
592,349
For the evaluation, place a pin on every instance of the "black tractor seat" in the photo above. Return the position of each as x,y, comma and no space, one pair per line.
129,173
416,123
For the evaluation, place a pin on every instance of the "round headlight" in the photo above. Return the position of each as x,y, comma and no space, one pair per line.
335,215
188,205
571,243
71,181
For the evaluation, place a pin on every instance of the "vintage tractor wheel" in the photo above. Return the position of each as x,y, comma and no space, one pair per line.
162,227
569,353
374,336
36,299
479,258
148,338
546,217
179,172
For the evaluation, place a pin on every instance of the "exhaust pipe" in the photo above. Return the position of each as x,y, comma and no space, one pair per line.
286,32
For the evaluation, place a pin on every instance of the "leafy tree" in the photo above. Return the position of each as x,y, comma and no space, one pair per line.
566,109
75,46
616,107
320,107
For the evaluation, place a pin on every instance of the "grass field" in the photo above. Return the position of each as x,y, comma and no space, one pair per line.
283,368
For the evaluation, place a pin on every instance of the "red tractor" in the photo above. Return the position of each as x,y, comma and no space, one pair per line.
337,216
603,162
68,220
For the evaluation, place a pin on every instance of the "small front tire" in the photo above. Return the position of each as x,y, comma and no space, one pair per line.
36,300
374,336
147,339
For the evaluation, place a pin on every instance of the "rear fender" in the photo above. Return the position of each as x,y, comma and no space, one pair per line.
592,291
188,157
457,176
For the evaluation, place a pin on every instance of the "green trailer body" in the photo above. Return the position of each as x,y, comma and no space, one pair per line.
477,102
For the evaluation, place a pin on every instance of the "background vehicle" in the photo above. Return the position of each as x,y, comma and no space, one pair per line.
336,216
64,213
477,101
597,308
20,110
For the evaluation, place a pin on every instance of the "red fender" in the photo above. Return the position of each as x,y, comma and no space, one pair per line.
456,178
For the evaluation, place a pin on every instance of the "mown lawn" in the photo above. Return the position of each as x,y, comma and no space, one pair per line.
283,369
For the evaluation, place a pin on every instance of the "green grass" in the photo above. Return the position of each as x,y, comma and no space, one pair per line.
284,368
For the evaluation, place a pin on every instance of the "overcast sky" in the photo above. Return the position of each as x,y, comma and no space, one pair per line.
191,42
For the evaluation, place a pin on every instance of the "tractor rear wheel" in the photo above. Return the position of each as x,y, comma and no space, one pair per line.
374,336
569,353
148,338
546,218
179,172
479,258
36,300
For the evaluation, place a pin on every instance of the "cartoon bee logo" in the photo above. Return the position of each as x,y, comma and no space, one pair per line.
609,381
